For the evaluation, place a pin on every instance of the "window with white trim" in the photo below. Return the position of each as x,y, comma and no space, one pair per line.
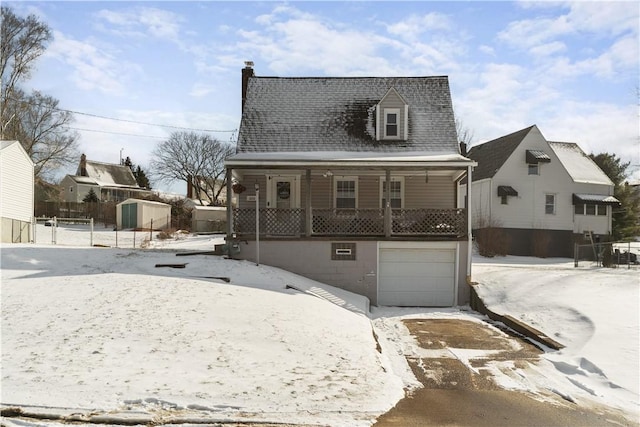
391,122
533,169
550,204
397,192
590,209
345,190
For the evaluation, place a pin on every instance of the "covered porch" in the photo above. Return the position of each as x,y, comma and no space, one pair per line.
283,196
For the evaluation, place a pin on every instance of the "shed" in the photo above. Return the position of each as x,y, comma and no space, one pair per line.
137,213
16,192
208,219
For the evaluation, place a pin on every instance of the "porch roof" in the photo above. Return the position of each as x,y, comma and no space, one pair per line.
323,159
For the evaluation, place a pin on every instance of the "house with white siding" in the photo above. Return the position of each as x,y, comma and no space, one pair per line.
353,182
540,192
16,193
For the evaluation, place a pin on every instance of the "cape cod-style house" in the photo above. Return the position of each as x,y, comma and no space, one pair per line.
353,182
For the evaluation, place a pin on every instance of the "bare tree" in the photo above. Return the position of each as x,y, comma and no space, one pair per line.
33,119
197,159
22,41
464,133
42,129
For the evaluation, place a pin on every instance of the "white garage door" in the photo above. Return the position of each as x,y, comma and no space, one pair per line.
416,277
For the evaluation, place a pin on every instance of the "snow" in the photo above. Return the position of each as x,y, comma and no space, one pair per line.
103,329
593,311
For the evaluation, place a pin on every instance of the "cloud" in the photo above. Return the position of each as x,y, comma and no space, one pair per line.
414,26
93,68
141,22
199,90
603,18
548,49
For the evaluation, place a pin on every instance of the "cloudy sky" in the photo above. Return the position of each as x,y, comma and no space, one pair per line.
570,68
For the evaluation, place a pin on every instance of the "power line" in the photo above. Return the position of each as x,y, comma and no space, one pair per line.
145,123
117,133
124,120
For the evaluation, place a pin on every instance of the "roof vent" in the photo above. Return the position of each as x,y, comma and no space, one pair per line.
248,64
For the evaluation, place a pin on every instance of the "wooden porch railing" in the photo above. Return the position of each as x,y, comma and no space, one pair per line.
449,223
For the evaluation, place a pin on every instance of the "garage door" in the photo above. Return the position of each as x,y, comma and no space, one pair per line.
416,277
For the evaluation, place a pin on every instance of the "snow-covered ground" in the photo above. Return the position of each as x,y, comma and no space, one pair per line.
104,329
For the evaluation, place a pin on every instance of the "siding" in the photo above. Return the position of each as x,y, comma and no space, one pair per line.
438,193
392,100
16,183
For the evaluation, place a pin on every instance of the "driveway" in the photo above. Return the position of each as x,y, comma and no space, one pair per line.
457,364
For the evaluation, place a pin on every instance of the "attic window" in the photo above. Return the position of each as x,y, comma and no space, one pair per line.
391,122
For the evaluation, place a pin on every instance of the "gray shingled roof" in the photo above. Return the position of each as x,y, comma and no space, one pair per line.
337,114
492,154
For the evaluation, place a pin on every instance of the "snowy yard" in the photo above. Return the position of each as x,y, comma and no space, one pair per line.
104,329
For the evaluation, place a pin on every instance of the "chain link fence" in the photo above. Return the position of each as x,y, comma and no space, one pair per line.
608,254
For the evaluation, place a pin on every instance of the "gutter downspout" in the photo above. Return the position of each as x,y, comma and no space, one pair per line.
229,238
469,233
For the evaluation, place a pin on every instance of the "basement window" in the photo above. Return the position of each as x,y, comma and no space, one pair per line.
343,251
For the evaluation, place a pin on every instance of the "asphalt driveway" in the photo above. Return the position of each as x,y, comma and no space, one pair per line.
459,390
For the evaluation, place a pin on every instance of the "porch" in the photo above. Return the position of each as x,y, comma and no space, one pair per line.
449,224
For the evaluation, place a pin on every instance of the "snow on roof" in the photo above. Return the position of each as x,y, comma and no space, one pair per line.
108,174
322,158
579,166
339,113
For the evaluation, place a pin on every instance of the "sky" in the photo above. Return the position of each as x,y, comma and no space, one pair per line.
571,68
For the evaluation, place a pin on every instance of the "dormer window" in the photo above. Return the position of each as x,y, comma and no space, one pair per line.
392,117
391,121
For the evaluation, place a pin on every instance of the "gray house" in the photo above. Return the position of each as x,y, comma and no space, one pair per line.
356,183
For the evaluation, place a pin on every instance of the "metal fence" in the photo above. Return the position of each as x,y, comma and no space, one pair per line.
608,254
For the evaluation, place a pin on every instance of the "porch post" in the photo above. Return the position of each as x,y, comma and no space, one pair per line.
469,232
229,209
307,205
387,205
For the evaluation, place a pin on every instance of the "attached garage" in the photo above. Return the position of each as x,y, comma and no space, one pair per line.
414,274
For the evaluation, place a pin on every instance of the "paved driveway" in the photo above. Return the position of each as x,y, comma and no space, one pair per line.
456,365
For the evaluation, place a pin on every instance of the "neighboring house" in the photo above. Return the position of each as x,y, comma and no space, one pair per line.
110,182
357,181
16,193
143,214
539,192
207,219
207,193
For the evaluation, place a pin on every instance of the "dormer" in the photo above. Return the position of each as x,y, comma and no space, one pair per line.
392,117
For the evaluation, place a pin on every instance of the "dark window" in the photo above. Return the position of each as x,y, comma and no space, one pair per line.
345,194
503,200
550,204
591,209
579,209
602,209
533,169
392,124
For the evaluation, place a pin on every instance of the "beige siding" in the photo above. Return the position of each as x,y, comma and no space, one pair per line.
438,193
16,183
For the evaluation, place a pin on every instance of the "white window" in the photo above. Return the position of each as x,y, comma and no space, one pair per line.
397,193
550,204
590,209
391,122
345,190
533,169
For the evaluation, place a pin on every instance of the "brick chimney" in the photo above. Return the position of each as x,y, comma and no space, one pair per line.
247,72
82,169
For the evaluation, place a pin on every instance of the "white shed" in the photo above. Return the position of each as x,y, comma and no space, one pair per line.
16,192
136,213
208,219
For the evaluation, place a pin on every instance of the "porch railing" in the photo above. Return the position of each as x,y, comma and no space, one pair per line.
449,223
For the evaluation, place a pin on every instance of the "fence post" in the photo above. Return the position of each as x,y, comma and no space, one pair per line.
116,236
575,255
53,230
629,255
34,223
151,231
134,238
91,235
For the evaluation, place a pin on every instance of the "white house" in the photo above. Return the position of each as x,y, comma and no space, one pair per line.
16,192
526,185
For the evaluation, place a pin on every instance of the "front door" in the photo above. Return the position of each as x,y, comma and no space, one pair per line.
282,192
